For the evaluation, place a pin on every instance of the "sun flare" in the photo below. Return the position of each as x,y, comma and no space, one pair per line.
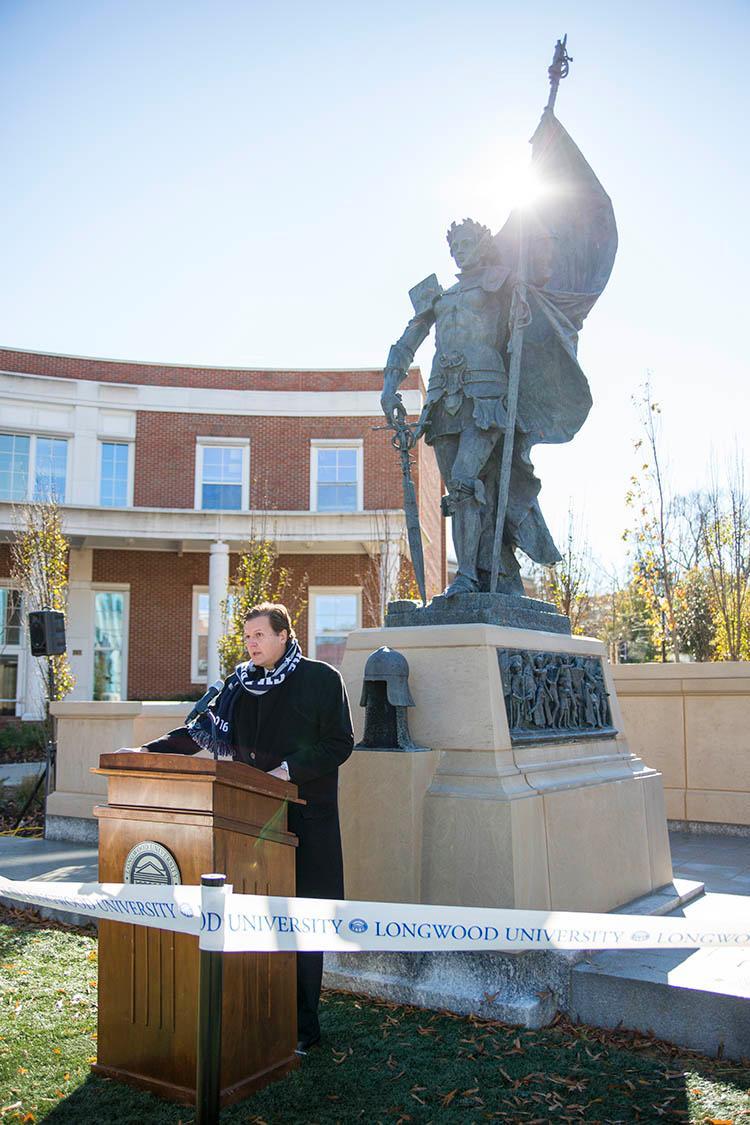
527,186
499,179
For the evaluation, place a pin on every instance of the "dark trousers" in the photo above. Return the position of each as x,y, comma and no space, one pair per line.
309,976
320,874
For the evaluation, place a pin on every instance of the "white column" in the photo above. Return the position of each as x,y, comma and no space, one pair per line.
80,623
218,580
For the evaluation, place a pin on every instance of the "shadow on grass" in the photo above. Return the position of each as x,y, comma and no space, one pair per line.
381,1062
100,1100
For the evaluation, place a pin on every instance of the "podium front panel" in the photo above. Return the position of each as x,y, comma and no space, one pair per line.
148,979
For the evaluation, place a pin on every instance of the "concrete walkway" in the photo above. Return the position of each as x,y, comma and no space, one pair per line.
49,860
14,773
721,862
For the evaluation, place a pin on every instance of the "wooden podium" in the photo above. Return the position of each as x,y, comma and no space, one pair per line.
209,816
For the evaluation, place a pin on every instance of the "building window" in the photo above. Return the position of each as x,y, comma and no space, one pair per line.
50,469
32,468
15,454
336,476
199,631
109,644
10,617
114,477
334,612
199,636
10,648
8,683
222,475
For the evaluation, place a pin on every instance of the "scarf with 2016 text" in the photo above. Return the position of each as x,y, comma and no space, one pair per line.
211,728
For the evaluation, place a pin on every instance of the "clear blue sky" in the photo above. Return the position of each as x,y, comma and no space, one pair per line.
247,184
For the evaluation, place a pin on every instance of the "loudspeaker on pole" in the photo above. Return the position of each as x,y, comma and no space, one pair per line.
47,632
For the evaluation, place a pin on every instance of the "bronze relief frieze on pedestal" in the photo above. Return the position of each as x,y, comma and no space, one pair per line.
554,696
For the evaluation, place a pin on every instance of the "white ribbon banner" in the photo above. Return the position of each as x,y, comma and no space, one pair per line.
231,923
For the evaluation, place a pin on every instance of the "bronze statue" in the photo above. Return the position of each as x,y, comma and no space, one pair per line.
505,375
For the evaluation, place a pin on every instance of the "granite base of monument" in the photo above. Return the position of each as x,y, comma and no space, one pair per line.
518,988
486,609
530,796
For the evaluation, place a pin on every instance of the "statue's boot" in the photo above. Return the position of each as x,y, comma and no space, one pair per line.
461,584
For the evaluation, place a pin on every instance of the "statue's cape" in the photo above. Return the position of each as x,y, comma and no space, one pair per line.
571,241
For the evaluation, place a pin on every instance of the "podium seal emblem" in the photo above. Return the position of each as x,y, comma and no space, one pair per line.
149,862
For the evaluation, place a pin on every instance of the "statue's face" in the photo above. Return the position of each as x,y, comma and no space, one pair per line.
464,246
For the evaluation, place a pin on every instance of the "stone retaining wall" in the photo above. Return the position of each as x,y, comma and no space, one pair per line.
692,723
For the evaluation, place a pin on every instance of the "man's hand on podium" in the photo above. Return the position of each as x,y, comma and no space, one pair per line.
281,771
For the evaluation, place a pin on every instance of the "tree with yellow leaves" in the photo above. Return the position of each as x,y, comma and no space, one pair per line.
257,578
39,568
656,535
724,539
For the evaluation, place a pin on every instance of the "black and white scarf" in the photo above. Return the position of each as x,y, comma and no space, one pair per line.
258,681
211,727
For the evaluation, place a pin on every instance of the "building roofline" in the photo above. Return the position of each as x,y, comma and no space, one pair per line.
197,366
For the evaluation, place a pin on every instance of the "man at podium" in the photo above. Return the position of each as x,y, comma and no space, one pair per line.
288,716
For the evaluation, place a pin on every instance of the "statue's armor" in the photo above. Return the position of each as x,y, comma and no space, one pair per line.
468,380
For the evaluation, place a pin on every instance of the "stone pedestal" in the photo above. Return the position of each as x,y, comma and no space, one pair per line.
381,801
548,819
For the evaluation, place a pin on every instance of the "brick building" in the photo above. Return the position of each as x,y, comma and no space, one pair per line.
163,472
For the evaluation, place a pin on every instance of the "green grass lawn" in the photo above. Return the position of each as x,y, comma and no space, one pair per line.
379,1062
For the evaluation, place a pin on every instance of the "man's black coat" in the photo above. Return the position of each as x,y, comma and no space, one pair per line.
306,723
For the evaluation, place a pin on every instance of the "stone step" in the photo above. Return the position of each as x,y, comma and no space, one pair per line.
698,999
665,899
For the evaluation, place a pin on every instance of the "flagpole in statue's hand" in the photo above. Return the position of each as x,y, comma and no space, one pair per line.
559,69
520,316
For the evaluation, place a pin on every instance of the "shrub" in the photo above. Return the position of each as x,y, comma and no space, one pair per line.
22,742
